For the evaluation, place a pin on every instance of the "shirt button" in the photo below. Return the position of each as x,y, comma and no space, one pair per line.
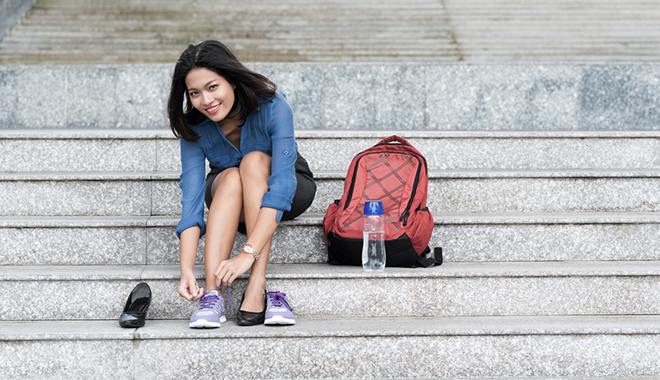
286,152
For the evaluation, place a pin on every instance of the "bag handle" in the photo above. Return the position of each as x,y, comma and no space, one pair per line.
393,138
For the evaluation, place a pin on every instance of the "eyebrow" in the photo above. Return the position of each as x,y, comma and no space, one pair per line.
206,85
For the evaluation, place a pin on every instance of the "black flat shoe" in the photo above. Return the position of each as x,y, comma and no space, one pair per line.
248,318
137,304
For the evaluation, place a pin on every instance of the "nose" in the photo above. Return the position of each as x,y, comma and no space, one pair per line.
207,97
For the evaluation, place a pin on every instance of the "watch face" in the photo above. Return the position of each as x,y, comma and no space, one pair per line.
248,249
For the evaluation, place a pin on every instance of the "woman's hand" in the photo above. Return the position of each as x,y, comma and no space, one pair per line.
228,270
188,288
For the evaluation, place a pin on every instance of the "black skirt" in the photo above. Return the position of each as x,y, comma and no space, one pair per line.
303,198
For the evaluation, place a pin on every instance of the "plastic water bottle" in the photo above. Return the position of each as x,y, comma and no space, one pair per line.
373,245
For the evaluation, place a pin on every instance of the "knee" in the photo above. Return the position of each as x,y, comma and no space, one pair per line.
228,182
255,164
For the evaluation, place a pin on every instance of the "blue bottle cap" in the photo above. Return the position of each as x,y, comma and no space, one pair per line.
373,208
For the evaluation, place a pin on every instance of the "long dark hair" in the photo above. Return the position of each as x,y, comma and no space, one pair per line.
251,90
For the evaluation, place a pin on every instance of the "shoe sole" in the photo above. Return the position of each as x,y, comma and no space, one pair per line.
204,324
279,320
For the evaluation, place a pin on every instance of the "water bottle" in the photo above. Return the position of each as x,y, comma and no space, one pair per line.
373,243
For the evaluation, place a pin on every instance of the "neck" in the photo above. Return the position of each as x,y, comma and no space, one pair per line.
227,125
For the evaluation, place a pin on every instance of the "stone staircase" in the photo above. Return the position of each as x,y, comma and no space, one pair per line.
544,184
156,31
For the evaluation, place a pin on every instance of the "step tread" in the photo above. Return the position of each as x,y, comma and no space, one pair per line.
340,175
325,271
338,327
316,219
166,134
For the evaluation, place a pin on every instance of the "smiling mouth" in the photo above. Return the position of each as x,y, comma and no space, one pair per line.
212,110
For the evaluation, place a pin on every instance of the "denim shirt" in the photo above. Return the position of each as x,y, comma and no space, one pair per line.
268,129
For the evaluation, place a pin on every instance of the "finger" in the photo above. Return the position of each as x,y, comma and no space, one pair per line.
190,294
182,291
217,282
191,290
231,279
185,295
223,276
221,267
218,270
194,294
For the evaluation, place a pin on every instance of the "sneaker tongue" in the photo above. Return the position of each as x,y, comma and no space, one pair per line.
277,300
208,300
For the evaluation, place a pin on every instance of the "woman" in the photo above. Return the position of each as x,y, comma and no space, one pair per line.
238,121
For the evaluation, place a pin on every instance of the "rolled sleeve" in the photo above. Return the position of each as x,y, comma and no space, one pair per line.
282,182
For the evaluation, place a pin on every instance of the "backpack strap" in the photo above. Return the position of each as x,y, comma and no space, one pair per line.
426,259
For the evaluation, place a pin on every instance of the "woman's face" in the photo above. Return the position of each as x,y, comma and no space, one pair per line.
210,93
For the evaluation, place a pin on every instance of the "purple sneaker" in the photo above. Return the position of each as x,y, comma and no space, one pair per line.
211,311
278,311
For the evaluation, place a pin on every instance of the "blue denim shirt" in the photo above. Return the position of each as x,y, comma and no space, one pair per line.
268,129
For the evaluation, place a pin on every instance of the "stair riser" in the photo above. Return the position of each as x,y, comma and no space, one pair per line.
111,359
357,96
78,198
450,195
494,195
109,155
306,244
353,297
527,356
493,153
426,357
548,242
335,154
140,245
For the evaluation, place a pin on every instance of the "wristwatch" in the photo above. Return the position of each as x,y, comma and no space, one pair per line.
251,251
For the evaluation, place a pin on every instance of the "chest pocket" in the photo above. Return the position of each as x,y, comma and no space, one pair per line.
219,162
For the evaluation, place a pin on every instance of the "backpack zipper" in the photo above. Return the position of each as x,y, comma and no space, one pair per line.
406,212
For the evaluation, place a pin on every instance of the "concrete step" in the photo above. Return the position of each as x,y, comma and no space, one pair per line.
475,31
260,19
136,240
422,47
89,150
31,293
500,30
464,238
350,96
469,191
479,348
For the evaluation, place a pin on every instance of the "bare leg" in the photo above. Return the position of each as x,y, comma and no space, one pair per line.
255,171
222,222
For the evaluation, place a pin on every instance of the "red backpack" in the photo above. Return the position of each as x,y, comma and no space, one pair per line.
395,173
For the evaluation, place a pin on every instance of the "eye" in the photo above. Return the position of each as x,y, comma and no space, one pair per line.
213,87
192,94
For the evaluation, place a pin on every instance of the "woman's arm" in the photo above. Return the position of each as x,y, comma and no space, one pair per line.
281,189
263,230
191,226
282,181
188,288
